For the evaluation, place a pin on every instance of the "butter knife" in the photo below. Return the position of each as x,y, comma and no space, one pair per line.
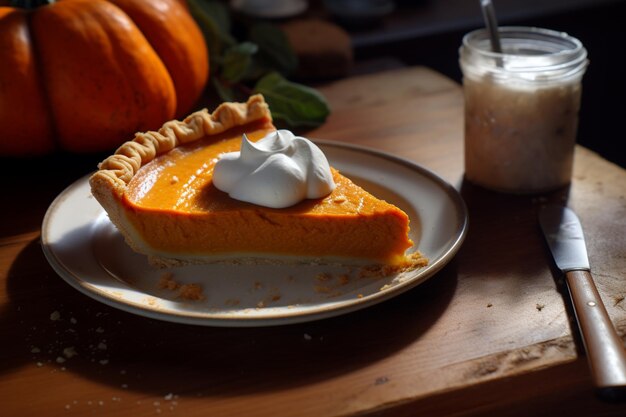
605,350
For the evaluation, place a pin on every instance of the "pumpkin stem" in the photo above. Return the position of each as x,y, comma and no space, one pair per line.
30,4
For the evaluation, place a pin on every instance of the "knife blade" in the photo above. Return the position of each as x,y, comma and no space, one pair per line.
605,350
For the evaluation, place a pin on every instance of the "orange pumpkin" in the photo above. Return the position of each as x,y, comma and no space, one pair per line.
84,75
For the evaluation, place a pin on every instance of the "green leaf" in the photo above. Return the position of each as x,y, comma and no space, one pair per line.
225,92
219,13
237,61
214,21
275,51
293,103
267,54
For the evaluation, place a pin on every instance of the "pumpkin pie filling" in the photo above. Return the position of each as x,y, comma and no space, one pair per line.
171,211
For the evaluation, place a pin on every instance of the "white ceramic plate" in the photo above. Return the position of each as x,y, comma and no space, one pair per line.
87,251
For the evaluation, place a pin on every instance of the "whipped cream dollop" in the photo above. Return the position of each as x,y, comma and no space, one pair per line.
277,171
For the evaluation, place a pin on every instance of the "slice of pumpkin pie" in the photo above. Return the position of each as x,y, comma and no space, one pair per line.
227,187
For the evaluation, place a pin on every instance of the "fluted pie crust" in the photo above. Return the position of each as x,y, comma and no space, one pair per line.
137,185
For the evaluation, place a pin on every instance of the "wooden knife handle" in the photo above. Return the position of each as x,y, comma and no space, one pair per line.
605,350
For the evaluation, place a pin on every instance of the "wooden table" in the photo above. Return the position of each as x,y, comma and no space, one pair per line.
490,334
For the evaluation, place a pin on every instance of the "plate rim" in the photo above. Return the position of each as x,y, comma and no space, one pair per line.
344,307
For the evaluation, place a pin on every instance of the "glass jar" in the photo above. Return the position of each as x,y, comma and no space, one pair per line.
521,108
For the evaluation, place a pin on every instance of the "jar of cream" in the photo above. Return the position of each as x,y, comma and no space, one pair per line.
521,108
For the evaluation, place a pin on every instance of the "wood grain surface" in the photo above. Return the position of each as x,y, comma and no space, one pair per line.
490,334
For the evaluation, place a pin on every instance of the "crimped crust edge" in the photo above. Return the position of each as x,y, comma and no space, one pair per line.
133,154
110,182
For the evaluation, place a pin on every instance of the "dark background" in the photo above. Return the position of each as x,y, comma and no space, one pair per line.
429,32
